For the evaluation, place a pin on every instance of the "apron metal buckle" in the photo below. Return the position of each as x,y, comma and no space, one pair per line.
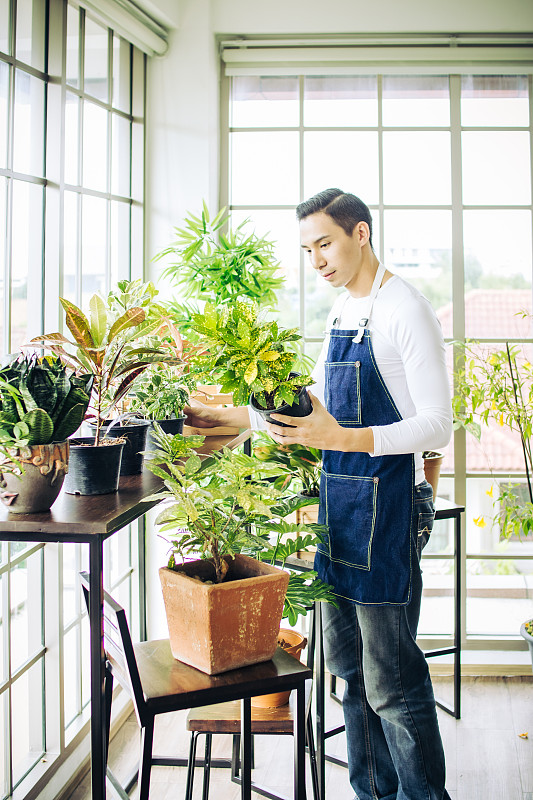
360,330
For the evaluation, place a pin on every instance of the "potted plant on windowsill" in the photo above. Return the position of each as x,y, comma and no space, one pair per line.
221,510
496,384
41,405
105,345
249,356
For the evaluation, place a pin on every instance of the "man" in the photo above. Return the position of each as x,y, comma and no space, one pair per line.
381,397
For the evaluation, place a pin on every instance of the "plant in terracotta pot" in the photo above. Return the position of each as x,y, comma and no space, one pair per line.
42,403
494,386
222,268
250,357
106,345
220,510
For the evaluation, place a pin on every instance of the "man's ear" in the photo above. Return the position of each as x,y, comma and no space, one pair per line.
362,231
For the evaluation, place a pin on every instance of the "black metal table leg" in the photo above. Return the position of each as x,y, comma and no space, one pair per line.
246,748
96,623
299,745
320,703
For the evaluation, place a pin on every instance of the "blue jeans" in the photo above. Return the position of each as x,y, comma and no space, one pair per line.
394,744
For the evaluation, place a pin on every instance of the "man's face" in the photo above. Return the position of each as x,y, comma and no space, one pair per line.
332,253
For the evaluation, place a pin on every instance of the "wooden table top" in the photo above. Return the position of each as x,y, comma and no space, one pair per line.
78,518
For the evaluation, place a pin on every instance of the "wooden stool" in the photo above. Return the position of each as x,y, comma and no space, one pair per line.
226,718
158,684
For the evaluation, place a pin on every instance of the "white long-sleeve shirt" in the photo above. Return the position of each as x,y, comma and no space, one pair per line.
410,354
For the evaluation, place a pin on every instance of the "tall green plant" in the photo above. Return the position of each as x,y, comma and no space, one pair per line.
222,267
105,346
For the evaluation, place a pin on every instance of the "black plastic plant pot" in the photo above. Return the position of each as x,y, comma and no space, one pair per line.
91,469
172,425
135,433
301,407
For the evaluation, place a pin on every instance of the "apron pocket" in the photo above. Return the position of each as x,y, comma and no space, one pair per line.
350,504
344,402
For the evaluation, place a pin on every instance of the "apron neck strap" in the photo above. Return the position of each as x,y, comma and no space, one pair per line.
363,322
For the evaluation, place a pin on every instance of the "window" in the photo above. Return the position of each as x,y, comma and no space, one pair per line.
71,176
443,161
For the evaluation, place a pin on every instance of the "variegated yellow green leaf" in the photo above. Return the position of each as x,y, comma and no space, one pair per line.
251,373
77,323
98,319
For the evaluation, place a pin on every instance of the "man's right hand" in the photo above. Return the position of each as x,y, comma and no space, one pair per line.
200,416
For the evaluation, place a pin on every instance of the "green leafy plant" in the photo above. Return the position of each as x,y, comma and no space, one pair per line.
303,464
161,395
105,344
497,385
222,505
40,402
222,267
247,354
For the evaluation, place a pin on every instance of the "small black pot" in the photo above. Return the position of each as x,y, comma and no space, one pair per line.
93,470
301,407
134,433
172,425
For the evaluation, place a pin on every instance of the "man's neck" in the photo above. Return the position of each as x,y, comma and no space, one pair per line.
363,283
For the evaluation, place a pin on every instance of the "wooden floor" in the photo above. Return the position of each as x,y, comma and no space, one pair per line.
487,759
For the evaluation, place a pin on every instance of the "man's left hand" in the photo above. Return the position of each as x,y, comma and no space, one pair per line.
319,429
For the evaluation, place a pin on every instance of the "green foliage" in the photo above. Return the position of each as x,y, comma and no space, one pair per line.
497,385
248,355
222,268
106,344
303,464
161,395
40,402
222,505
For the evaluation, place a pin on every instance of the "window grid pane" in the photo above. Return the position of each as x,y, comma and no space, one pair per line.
392,159
95,162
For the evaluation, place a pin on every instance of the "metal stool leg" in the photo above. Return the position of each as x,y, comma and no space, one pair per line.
207,765
190,766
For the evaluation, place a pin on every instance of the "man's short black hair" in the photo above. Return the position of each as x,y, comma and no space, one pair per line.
345,209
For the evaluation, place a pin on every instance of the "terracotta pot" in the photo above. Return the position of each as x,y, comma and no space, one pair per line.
432,465
45,466
218,627
292,642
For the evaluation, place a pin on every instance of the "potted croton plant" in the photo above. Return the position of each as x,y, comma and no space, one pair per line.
42,403
108,346
251,357
224,606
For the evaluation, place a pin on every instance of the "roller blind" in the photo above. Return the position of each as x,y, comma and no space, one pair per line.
460,54
131,22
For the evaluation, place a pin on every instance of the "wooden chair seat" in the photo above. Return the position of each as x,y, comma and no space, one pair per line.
225,718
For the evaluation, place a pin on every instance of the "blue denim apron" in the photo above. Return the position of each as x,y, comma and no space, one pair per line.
365,501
